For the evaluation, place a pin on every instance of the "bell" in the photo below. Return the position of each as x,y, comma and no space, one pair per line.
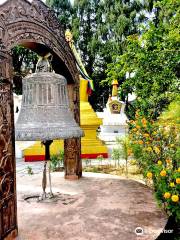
45,113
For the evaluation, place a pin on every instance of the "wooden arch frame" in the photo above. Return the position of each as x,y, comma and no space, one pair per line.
35,26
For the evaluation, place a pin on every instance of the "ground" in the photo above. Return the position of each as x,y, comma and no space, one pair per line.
96,207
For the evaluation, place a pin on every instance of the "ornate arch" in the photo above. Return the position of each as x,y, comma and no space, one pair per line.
23,22
33,25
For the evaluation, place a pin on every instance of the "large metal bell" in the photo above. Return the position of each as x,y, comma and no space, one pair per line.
45,113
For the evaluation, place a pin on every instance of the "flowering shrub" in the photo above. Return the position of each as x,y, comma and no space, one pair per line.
157,151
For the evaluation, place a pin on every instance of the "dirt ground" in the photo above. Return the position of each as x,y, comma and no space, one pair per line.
96,207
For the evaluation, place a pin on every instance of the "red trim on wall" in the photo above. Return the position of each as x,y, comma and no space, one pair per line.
35,158
94,155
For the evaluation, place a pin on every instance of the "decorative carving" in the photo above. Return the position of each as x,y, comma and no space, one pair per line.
34,22
7,162
5,71
73,169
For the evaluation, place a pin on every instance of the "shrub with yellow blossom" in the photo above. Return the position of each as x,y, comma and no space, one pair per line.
172,184
167,195
159,163
157,151
175,198
163,173
178,180
149,175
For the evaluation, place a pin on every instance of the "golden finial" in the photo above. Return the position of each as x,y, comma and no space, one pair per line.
115,88
68,36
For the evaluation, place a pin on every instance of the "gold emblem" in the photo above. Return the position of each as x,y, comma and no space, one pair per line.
115,106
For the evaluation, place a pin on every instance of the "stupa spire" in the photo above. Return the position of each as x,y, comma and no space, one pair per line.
114,88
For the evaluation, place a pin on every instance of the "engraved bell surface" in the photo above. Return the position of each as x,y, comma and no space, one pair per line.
45,113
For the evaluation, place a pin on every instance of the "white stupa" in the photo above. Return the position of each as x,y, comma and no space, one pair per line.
114,119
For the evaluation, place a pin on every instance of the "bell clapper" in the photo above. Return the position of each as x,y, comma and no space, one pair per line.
50,184
44,179
44,182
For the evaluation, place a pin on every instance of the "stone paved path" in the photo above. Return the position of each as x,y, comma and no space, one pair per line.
96,207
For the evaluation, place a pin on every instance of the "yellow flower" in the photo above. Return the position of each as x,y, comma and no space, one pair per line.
168,160
167,195
134,129
131,121
157,150
171,184
140,142
149,175
178,180
144,121
149,149
137,113
154,133
159,163
138,127
129,152
163,173
178,169
175,198
172,145
146,135
133,162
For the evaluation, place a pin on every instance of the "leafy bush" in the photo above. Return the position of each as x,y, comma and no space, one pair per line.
157,150
123,151
116,155
29,170
57,161
100,158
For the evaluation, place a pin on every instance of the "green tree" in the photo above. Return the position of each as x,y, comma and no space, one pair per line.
63,10
151,62
86,21
24,60
86,18
100,29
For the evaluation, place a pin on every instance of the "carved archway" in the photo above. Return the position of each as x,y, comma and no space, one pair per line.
35,26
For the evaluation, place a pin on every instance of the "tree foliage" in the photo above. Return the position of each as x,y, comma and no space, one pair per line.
172,114
24,60
63,10
100,29
151,62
